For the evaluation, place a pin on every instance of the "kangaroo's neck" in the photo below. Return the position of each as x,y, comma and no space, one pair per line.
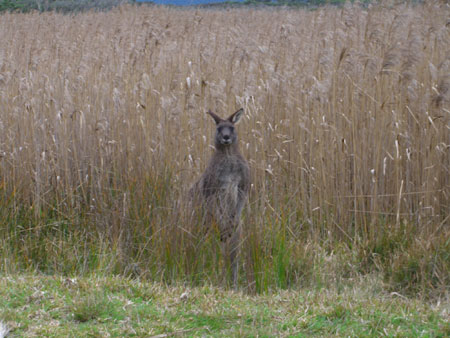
227,149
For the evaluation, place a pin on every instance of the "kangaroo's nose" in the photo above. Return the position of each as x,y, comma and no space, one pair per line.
226,137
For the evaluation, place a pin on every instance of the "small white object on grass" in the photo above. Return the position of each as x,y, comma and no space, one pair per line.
184,296
3,330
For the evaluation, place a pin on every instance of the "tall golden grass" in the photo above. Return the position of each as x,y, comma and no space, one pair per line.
103,128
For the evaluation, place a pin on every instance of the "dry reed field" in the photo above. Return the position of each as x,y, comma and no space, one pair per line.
346,128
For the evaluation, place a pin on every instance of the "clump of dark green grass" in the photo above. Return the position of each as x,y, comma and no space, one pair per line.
95,305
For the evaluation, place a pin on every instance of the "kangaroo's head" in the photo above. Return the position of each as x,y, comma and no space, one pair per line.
225,132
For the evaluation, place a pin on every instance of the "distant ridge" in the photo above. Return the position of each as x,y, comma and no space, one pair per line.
187,2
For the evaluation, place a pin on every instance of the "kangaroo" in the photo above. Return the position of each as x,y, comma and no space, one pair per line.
223,188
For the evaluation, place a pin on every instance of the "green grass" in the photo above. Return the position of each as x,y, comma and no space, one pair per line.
32,305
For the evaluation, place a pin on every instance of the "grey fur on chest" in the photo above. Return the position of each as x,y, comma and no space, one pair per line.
229,172
224,175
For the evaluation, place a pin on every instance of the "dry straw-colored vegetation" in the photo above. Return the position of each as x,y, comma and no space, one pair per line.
103,128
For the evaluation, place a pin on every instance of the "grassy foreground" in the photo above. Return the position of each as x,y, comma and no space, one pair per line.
33,306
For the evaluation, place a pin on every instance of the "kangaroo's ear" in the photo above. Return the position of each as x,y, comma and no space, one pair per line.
216,118
234,118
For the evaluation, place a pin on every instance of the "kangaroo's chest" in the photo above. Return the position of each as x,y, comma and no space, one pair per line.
228,175
223,178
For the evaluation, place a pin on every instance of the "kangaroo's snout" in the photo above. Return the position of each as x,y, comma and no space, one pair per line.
226,140
226,135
